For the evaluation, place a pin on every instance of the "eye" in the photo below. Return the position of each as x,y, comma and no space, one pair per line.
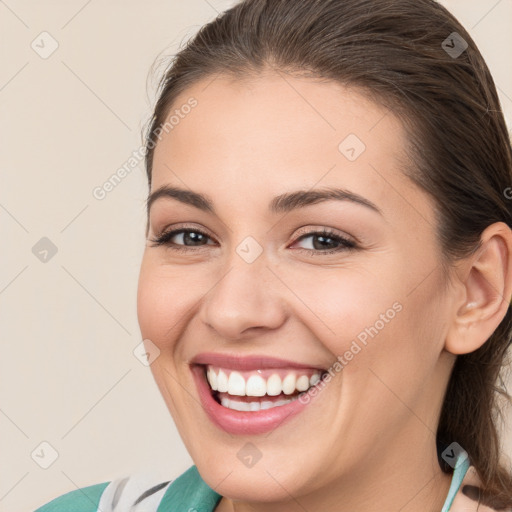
195,237
186,239
327,242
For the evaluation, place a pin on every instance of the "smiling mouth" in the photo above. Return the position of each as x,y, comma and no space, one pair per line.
259,389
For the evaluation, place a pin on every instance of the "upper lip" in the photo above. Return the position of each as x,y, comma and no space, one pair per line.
247,363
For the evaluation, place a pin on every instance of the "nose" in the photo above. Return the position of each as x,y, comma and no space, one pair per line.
248,297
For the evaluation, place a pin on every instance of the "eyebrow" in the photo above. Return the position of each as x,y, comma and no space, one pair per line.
283,203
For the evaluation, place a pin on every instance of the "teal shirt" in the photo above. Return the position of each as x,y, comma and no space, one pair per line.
189,492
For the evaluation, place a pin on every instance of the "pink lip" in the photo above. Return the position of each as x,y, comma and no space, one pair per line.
247,363
242,422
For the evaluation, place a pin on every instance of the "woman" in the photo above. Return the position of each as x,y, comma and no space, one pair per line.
327,276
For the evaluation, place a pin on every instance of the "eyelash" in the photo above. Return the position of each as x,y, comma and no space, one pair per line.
344,243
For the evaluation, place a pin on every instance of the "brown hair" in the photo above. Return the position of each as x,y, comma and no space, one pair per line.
404,55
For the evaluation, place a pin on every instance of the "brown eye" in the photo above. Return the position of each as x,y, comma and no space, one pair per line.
326,242
185,239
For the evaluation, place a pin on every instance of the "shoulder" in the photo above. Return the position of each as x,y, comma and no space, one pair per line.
126,493
85,499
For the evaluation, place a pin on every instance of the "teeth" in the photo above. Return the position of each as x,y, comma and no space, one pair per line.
302,383
234,383
222,381
253,406
289,384
256,386
274,385
212,378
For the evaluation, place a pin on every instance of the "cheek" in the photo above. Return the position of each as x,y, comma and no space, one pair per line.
343,305
370,320
156,308
167,298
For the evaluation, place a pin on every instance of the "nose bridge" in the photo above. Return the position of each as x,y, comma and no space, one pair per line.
242,297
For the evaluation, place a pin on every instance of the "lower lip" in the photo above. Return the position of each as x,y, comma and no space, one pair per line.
244,422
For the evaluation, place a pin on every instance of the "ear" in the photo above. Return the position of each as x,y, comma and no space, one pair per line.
485,286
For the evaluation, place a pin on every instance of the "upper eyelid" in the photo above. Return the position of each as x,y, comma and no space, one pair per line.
179,227
302,232
331,231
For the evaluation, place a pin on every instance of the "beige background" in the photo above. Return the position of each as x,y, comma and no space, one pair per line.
68,373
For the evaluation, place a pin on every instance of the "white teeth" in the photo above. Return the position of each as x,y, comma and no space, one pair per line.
236,384
253,406
302,383
289,384
314,379
222,382
256,385
212,378
274,387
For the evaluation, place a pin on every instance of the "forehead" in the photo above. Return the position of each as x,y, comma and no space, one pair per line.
278,111
277,133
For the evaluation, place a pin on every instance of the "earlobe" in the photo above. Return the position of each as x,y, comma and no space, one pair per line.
485,281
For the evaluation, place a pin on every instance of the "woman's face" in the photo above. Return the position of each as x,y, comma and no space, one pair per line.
263,281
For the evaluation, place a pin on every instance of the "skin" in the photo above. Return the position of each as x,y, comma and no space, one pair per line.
367,442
